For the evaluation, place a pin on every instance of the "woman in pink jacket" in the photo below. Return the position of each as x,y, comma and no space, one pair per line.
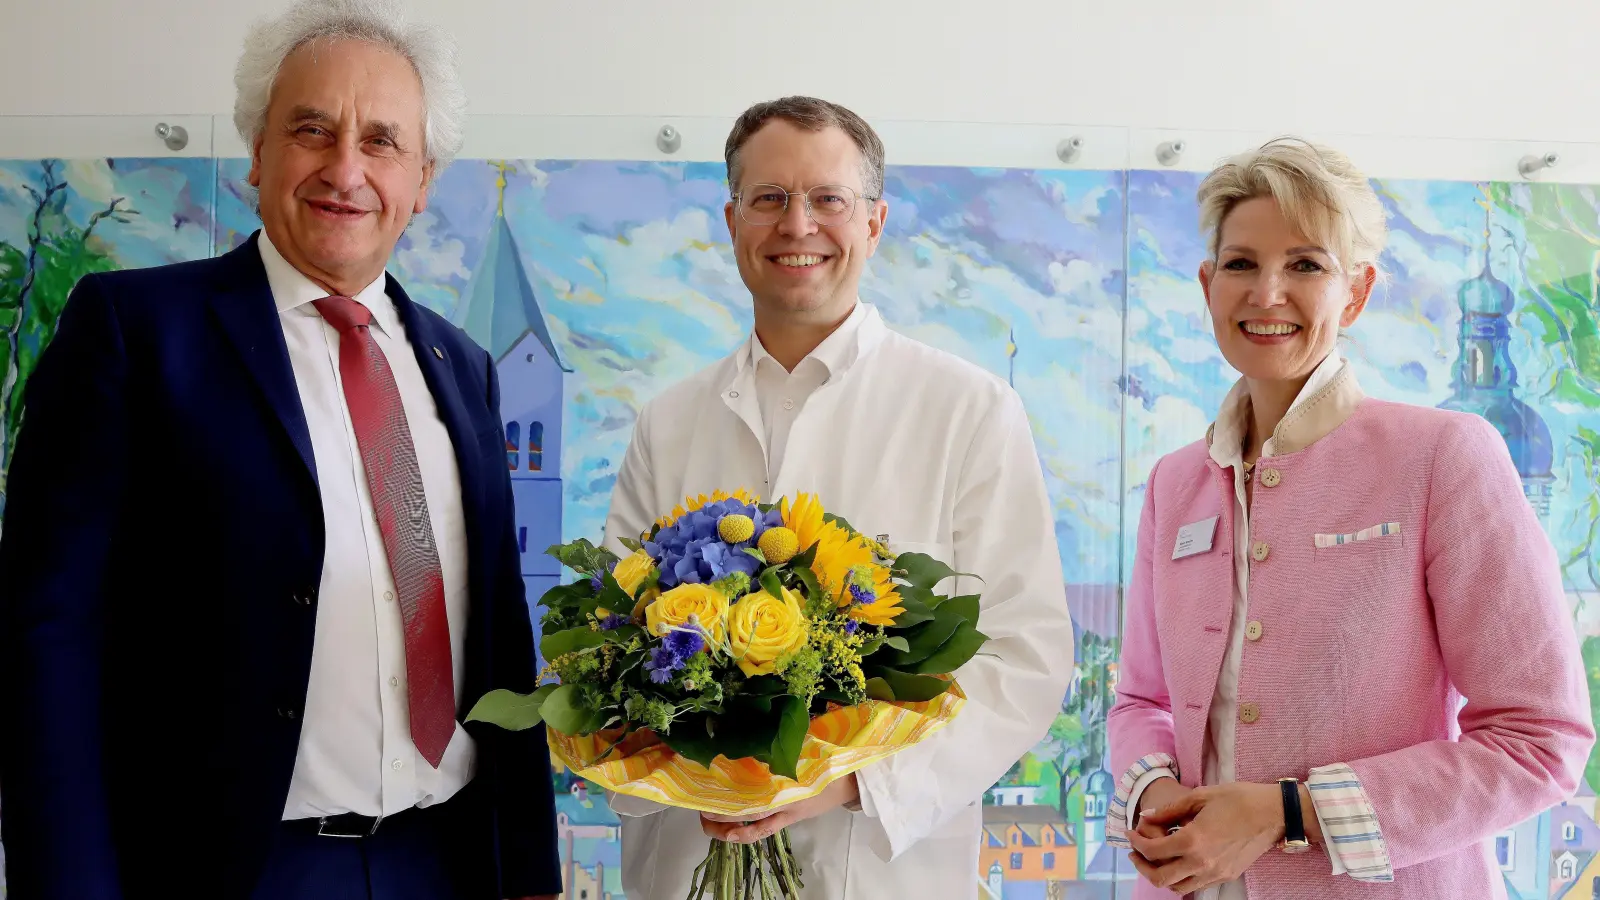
1320,583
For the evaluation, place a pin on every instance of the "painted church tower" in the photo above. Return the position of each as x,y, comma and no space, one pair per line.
1486,380
501,312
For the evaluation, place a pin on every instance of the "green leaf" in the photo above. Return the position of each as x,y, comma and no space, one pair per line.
764,686
632,545
566,597
953,653
805,560
756,552
793,722
904,687
839,520
582,556
564,642
808,579
510,710
966,606
564,710
898,643
923,641
691,738
771,583
915,612
623,634
922,570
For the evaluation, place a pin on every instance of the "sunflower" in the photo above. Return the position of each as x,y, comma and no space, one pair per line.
838,550
875,601
691,504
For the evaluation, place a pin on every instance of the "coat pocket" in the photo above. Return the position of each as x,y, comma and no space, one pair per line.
1380,538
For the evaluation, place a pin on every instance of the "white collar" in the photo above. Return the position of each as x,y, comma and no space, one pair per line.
291,289
1326,400
837,352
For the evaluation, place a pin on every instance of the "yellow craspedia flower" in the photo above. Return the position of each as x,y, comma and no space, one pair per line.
778,545
674,608
763,630
736,529
690,504
631,572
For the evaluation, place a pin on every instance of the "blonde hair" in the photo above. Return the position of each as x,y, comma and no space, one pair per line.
1317,189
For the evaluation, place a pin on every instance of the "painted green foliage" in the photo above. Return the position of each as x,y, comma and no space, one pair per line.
35,280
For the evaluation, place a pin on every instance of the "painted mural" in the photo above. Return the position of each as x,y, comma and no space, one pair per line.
596,284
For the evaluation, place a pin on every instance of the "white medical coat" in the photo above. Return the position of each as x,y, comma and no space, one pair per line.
906,441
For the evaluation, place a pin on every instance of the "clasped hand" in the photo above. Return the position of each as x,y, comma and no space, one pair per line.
1224,830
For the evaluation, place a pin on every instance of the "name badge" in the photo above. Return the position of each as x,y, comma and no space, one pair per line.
1195,537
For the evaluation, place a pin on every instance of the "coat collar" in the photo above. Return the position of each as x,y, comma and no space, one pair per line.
860,332
1326,401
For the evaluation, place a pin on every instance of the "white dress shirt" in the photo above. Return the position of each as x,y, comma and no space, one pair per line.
908,442
356,753
1227,450
782,394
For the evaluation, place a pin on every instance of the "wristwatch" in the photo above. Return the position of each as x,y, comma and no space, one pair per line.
1294,826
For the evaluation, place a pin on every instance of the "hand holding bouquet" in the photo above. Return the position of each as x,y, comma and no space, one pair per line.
742,658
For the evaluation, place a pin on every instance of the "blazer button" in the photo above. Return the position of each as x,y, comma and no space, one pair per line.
288,713
1271,478
1259,551
1249,713
1253,631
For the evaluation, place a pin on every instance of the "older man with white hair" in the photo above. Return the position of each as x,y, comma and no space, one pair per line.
258,556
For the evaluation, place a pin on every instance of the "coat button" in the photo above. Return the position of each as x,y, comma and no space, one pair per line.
1253,631
1271,478
1249,713
1259,551
288,713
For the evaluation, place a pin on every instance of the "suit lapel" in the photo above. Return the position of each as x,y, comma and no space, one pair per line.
433,357
245,309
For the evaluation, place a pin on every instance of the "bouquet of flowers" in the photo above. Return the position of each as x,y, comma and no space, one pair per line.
745,656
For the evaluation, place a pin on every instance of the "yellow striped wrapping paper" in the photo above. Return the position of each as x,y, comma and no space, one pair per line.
838,742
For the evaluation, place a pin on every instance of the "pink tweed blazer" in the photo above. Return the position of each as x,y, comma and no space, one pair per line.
1369,647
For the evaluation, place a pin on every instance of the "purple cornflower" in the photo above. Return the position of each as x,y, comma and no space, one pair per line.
661,664
861,595
683,644
613,622
852,626
598,583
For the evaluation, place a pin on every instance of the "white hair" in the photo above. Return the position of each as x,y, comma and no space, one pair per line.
430,51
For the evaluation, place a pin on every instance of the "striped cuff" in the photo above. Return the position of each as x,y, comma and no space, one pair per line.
1117,813
1349,826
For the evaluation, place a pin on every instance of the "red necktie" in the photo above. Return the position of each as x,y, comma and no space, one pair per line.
390,460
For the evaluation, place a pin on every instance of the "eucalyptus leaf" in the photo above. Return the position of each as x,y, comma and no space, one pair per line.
510,710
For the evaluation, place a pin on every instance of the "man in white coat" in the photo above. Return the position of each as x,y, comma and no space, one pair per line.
901,440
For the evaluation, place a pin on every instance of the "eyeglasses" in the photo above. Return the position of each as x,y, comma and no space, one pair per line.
826,204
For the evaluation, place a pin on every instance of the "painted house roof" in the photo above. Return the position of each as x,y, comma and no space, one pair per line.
500,306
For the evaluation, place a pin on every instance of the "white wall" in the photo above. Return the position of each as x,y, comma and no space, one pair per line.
1520,70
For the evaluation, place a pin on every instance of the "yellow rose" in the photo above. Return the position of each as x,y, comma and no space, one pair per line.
764,629
631,572
676,606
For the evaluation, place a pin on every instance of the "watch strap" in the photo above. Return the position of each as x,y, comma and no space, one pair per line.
1294,826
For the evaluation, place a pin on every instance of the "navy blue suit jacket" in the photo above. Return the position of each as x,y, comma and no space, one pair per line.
161,554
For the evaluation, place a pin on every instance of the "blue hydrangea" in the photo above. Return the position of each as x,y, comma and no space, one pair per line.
689,551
